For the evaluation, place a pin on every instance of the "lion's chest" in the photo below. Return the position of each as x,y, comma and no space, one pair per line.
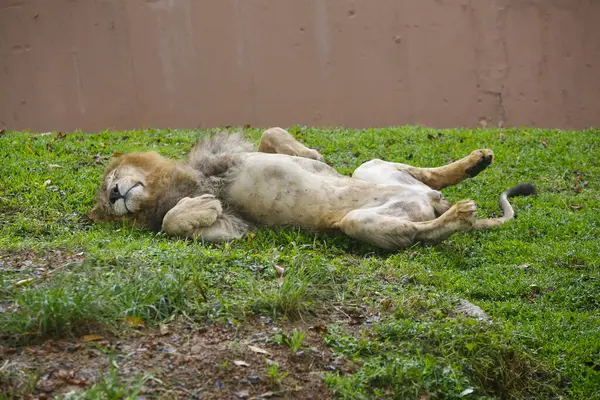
274,190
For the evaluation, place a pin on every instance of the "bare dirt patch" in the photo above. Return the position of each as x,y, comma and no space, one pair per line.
177,361
24,266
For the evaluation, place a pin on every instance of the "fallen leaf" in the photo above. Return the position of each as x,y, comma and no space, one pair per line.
92,338
524,266
466,391
28,148
47,182
251,235
2,132
386,304
544,143
271,362
264,395
576,207
135,322
320,329
24,282
54,166
258,350
241,363
64,374
77,381
242,394
164,329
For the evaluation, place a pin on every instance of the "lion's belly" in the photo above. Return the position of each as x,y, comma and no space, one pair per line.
275,189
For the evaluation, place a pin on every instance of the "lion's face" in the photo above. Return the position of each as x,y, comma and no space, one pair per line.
124,190
126,185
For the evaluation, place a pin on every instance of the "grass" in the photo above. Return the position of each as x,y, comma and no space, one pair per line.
389,315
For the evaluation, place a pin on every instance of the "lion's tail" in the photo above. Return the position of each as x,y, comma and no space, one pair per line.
508,213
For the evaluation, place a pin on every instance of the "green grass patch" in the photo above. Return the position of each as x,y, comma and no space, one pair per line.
391,315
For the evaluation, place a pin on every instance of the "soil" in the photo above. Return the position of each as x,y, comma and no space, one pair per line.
178,361
175,360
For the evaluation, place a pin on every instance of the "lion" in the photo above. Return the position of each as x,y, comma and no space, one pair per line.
224,188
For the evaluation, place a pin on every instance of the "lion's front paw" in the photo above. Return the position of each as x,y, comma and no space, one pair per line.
191,214
478,161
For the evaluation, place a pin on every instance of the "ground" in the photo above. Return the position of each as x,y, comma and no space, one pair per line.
109,311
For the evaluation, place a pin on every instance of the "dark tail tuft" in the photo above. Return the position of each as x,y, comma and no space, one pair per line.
523,189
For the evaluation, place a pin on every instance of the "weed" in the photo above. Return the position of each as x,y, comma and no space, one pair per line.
295,340
110,387
275,375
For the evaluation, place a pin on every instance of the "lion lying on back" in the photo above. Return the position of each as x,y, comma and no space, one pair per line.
224,188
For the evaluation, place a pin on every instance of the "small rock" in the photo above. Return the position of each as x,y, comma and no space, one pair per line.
196,349
469,309
242,394
164,329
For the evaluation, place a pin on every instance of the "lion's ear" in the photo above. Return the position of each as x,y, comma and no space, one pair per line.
93,214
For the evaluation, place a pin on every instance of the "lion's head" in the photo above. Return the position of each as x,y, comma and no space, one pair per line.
130,185
142,187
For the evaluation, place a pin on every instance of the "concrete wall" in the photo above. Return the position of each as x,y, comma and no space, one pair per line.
97,64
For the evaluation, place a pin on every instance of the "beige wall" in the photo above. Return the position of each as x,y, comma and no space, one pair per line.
97,64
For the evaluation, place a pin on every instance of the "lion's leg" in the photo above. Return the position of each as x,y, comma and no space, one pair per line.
393,233
202,217
440,177
278,140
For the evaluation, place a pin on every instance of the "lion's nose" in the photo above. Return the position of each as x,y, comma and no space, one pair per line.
114,195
